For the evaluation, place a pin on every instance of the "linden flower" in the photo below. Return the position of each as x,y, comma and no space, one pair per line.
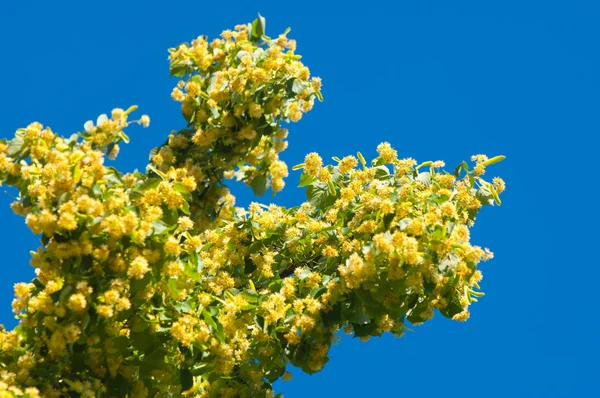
281,134
178,95
117,114
185,223
111,296
324,175
172,247
255,111
347,164
462,316
278,169
145,120
499,184
123,304
22,289
138,268
386,152
312,164
105,311
277,184
77,302
174,268
479,158
330,251
262,278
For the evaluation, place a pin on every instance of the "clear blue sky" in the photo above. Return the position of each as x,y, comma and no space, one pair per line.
437,79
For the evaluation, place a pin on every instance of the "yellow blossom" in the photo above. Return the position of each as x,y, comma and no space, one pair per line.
138,268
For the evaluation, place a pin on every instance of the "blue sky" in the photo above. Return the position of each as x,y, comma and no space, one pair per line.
438,80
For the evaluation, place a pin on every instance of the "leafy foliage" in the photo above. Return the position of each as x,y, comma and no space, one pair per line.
154,284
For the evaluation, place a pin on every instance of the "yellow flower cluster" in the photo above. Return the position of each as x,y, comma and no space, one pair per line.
235,91
152,284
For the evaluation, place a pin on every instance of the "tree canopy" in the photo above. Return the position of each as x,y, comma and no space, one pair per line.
154,284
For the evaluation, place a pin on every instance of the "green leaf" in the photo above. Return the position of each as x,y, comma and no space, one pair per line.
156,359
274,373
295,86
318,292
181,69
259,27
260,185
155,171
305,273
113,178
450,227
72,139
121,343
464,166
259,54
139,325
184,306
368,329
415,315
150,183
305,180
186,379
193,267
170,216
216,328
451,309
15,145
438,232
448,262
139,284
424,178
319,195
404,223
275,286
250,296
484,195
298,353
97,191
249,265
240,55
159,227
382,172
185,208
85,321
172,284
336,175
142,340
366,298
179,187
118,386
201,368
66,291
359,318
